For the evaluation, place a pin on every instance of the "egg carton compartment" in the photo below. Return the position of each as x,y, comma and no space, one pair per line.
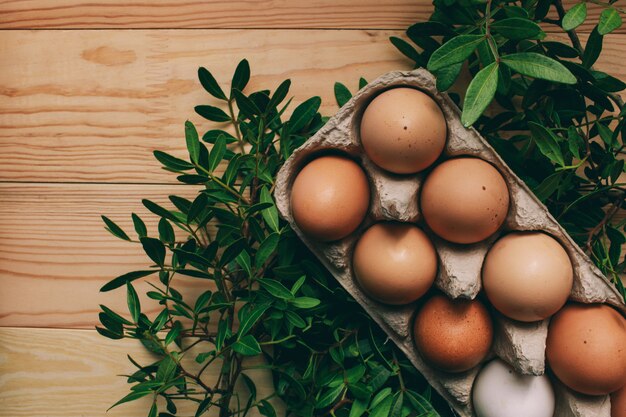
395,197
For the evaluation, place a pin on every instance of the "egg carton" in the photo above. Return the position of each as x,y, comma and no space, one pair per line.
395,198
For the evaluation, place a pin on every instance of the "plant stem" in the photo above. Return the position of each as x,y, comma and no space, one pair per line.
236,125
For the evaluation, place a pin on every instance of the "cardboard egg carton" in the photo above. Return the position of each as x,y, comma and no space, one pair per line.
395,197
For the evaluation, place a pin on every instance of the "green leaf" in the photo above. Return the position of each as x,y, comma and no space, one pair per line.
155,249
266,409
173,334
539,66
212,113
304,113
243,260
249,317
275,288
114,229
358,407
575,16
407,50
380,396
160,320
607,83
421,404
305,302
108,333
517,28
548,186
247,346
342,94
454,51
382,408
172,162
447,76
134,395
266,249
575,142
111,323
204,406
166,370
247,107
166,232
158,210
279,95
140,226
606,134
270,214
198,206
133,302
330,396
396,408
593,48
232,251
210,84
241,76
547,142
153,410
609,21
123,279
193,143
217,153
114,316
480,93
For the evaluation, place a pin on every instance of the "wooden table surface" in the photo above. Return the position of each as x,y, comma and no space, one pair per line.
88,88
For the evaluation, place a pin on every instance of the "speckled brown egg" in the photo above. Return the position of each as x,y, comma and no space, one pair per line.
453,335
403,130
464,200
618,402
527,276
394,263
586,348
330,197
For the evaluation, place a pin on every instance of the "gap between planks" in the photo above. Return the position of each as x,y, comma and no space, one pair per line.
267,14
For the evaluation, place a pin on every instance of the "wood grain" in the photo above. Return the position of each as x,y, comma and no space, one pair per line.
55,254
75,373
328,14
92,105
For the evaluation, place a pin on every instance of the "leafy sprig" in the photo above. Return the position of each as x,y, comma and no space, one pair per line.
557,121
268,295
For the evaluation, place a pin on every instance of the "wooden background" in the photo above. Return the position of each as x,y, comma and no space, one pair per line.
88,88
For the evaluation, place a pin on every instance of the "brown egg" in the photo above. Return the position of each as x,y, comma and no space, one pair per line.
394,263
453,335
330,197
586,348
464,200
618,402
527,276
403,130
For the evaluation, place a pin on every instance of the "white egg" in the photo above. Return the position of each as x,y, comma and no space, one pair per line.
499,391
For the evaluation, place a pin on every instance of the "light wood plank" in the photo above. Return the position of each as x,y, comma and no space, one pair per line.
212,14
92,105
55,254
74,373
344,14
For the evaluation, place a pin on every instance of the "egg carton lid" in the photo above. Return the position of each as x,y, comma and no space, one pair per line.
394,197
